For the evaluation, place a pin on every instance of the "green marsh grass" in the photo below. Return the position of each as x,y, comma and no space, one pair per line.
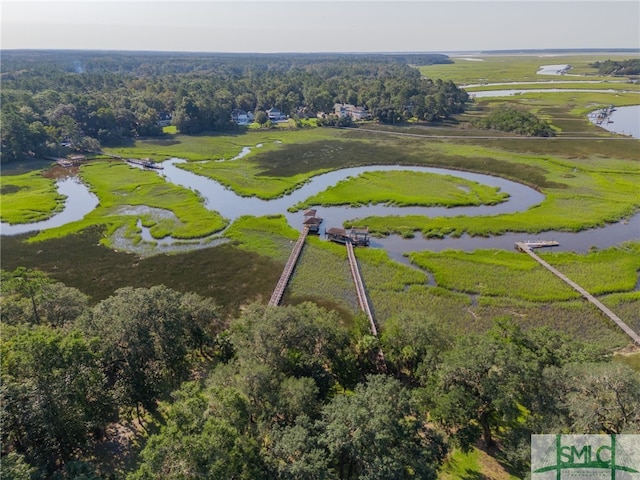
214,146
518,68
611,270
473,464
119,185
494,273
630,359
612,84
402,188
231,276
28,198
269,236
500,273
245,178
322,275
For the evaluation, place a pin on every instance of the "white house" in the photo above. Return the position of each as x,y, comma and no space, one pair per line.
164,119
276,115
241,117
347,110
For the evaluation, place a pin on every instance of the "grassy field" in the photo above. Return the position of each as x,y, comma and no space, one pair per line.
517,68
472,465
500,273
28,197
225,145
418,188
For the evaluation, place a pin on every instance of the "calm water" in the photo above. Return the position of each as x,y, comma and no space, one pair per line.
581,242
80,201
624,120
508,93
232,206
219,198
553,69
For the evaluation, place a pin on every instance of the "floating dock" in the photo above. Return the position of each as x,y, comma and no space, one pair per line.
523,247
602,116
358,236
145,162
538,244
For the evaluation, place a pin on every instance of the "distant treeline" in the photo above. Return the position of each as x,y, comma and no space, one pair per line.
618,67
159,63
52,100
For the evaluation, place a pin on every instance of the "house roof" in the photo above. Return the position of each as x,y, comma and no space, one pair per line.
312,221
337,231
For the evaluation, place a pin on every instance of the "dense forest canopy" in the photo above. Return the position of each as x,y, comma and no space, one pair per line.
81,100
618,67
279,392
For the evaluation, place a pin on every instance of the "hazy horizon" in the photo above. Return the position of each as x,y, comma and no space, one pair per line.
347,26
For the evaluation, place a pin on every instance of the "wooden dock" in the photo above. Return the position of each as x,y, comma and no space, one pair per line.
145,162
362,294
364,301
540,243
523,247
276,297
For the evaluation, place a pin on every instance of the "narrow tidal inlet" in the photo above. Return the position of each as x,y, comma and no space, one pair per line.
232,206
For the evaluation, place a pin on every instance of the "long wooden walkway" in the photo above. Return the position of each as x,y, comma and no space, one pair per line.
618,321
276,297
364,301
362,294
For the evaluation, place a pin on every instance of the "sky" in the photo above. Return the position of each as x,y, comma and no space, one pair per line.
319,25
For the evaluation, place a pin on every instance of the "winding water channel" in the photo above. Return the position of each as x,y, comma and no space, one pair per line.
81,201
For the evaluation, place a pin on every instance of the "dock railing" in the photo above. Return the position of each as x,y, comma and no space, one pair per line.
276,297
522,246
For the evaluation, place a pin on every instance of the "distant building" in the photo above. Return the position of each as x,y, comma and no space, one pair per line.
276,115
164,119
241,117
347,110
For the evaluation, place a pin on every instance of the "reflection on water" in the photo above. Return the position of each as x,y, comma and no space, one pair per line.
219,198
579,242
553,69
232,206
623,120
80,201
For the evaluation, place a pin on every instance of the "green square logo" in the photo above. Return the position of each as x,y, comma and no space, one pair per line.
611,457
